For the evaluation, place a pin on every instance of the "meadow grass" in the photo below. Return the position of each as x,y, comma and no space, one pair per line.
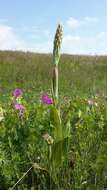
78,75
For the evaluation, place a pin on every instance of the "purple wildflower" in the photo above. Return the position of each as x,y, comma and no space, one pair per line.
17,92
19,107
46,99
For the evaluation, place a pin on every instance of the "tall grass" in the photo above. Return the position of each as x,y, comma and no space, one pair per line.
78,74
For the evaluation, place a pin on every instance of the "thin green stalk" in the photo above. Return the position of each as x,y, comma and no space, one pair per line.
55,82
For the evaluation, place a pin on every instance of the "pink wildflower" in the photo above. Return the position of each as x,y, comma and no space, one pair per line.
46,99
19,107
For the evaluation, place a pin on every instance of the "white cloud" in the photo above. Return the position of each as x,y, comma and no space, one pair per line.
73,44
85,45
9,40
44,47
75,23
91,19
81,43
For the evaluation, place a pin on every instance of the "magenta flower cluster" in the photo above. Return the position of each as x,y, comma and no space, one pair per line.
17,92
46,99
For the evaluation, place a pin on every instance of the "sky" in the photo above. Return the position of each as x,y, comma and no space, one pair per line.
30,25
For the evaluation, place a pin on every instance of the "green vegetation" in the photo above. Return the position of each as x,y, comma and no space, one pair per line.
48,146
78,75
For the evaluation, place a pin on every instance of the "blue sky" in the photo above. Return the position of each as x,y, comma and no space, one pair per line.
30,25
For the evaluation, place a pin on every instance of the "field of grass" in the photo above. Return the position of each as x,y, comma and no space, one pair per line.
78,75
33,153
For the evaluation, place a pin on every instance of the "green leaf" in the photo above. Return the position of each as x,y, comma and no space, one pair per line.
56,122
59,153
